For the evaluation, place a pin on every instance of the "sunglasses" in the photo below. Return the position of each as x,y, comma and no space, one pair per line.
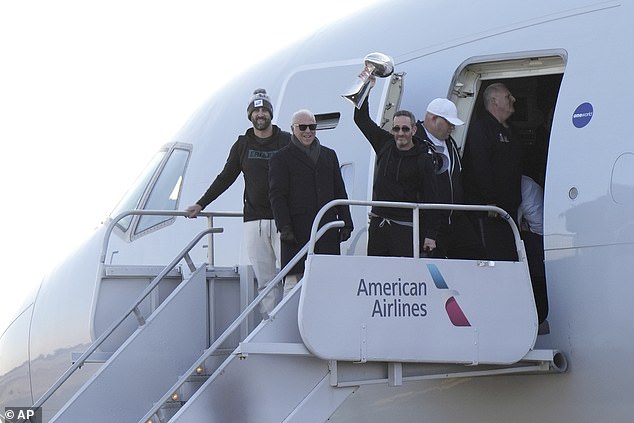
303,127
398,129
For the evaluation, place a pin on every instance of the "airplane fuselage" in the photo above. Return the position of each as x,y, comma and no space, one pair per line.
564,62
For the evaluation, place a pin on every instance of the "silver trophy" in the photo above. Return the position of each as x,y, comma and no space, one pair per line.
377,64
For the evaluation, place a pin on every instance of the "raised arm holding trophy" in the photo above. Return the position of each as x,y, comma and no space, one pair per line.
404,172
376,64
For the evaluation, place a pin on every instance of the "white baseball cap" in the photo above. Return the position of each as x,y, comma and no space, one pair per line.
445,109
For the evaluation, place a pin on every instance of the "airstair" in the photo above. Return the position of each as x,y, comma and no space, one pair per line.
201,355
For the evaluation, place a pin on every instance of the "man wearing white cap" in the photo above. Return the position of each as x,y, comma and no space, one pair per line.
457,237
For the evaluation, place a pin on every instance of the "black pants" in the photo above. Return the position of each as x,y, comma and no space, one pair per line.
497,238
389,239
534,244
459,240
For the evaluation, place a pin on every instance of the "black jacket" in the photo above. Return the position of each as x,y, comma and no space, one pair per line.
492,165
249,155
449,182
400,176
298,189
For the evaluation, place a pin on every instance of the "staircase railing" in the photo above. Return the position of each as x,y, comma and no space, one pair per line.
503,214
134,308
238,321
210,224
316,233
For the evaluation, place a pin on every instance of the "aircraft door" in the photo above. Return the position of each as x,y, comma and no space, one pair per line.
534,80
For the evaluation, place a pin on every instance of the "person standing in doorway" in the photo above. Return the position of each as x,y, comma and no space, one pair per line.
531,224
493,170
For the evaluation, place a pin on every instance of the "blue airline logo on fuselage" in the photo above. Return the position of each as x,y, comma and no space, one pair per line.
582,115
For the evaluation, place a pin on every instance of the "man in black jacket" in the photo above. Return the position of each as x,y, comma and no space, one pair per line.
457,237
250,156
303,177
404,172
493,169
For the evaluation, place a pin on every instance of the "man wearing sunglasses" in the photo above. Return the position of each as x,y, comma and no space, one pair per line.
457,237
250,156
303,177
404,172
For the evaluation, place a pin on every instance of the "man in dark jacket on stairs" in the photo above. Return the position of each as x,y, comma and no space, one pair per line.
250,156
304,176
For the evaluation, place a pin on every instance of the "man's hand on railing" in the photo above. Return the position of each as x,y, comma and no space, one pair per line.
429,245
287,235
344,233
193,210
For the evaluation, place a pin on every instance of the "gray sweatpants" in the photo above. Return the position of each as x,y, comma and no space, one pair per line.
263,248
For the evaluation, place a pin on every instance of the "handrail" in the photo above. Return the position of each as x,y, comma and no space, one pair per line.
133,309
315,234
519,245
210,223
239,320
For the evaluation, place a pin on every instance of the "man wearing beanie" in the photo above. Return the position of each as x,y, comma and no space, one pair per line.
250,156
457,237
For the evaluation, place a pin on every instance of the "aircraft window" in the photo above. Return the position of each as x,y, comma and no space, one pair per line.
327,120
166,190
132,198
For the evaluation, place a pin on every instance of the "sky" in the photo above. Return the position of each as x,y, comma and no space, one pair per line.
90,90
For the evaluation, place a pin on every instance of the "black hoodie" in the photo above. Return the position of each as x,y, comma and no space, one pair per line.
402,176
249,155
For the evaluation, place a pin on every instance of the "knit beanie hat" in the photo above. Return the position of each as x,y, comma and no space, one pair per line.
259,99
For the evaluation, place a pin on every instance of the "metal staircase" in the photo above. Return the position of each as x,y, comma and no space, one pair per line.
275,340
273,377
142,368
270,377
200,356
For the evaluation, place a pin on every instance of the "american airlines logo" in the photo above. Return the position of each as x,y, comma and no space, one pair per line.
452,307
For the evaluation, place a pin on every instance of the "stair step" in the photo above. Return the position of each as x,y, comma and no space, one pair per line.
281,348
168,410
96,357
